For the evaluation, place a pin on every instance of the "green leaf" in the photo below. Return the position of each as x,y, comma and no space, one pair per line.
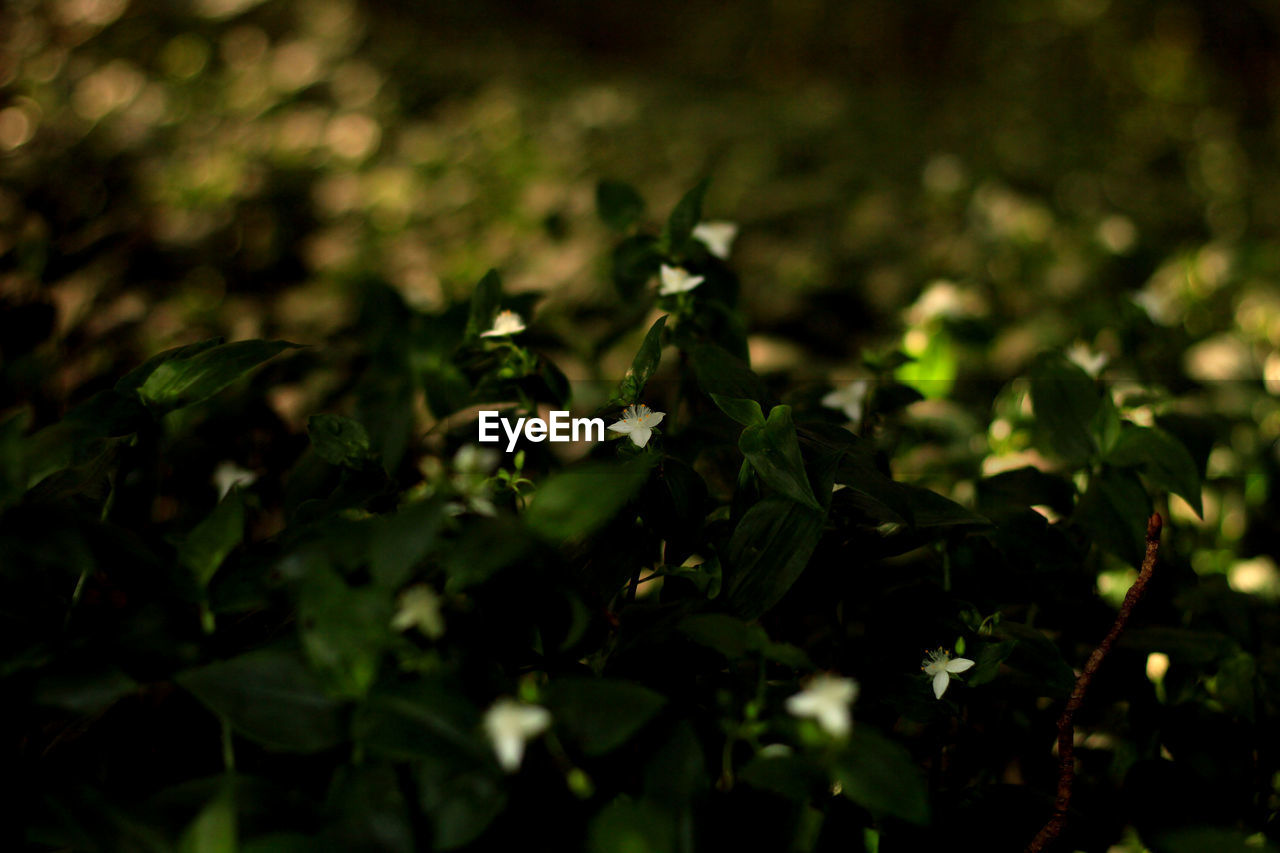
642,367
1163,459
461,805
684,218
720,372
1065,400
599,714
573,503
400,542
134,379
1114,511
632,826
878,774
769,549
186,380
635,261
210,541
271,697
796,777
214,829
725,634
485,300
1201,839
427,718
618,204
745,412
344,629
1013,491
339,440
774,452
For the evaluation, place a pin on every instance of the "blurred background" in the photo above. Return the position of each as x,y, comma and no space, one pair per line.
972,183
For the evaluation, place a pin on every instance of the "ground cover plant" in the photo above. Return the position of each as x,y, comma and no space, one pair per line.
707,630
935,355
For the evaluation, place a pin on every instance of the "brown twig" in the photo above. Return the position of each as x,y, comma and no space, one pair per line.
1066,727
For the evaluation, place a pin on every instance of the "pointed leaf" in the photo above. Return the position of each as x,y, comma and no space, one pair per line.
1164,460
774,452
642,367
485,300
618,204
183,381
210,541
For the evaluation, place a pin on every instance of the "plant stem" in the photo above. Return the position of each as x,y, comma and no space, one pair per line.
1066,723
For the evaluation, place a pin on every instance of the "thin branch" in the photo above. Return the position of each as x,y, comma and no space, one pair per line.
1066,723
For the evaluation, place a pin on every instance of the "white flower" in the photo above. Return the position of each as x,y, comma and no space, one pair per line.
472,460
509,725
849,399
506,323
939,666
228,475
419,607
638,422
677,280
716,236
1086,359
826,699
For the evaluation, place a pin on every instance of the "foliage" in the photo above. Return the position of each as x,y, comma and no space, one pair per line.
268,594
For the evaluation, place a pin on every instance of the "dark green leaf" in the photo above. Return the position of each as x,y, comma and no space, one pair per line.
774,452
460,805
719,372
725,634
1164,460
635,261
485,301
745,412
270,696
684,218
1114,511
769,549
183,381
573,503
400,541
210,541
1065,400
796,777
134,379
339,440
618,204
428,718
214,829
642,367
632,826
1014,491
598,714
344,629
879,775
1211,840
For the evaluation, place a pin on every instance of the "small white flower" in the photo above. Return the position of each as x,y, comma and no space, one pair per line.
677,280
939,665
849,399
228,475
506,323
638,422
419,607
826,699
509,725
716,236
1086,359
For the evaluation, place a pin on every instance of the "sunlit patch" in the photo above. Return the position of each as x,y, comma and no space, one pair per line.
18,125
109,88
1117,234
1257,576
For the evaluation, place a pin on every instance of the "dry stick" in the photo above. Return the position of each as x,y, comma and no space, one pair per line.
1066,728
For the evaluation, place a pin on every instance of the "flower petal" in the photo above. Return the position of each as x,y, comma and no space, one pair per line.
623,427
654,418
640,435
940,682
959,665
